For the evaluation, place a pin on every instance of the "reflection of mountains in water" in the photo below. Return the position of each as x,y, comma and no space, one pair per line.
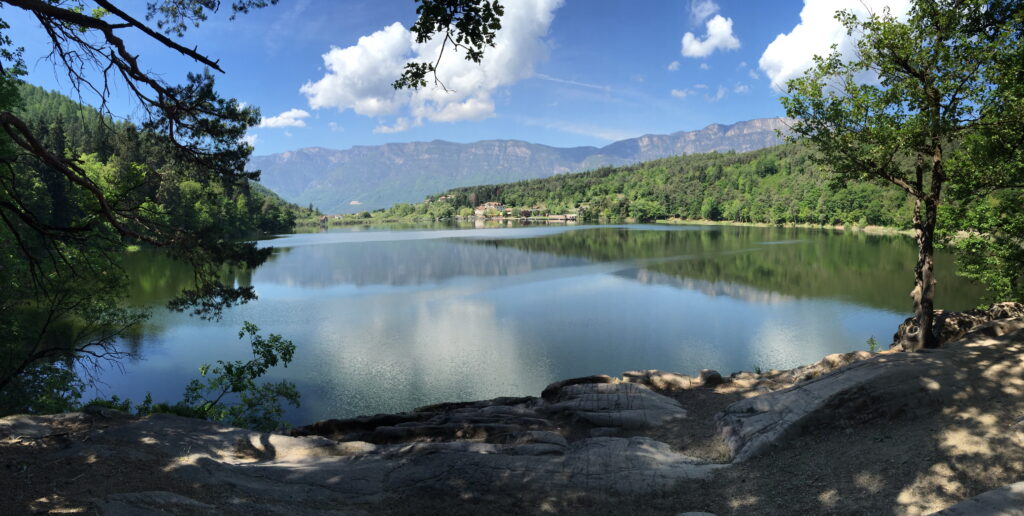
401,263
709,288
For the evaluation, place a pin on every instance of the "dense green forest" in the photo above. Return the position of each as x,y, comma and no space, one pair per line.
774,185
118,153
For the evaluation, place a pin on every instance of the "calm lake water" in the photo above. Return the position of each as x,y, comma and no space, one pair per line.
389,320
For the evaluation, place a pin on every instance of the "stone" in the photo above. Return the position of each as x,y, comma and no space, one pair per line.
552,390
605,431
620,405
710,378
950,326
661,380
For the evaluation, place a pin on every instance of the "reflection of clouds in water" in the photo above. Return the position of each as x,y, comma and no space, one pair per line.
400,263
356,236
428,351
800,333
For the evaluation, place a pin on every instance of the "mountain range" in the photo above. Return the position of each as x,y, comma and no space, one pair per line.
370,177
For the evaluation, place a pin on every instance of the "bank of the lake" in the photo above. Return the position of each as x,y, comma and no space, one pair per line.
869,229
893,432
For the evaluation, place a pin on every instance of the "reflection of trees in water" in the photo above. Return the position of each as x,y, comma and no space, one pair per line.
709,288
155,278
866,269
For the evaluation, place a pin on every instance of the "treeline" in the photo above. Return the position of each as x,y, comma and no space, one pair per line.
775,185
131,162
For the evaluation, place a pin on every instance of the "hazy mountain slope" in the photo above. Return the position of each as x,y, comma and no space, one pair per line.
370,177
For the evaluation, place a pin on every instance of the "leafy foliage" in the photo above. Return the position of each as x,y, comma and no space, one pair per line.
988,237
897,112
256,406
467,25
229,392
43,388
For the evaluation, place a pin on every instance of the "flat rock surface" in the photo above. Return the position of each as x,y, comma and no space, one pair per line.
500,447
883,386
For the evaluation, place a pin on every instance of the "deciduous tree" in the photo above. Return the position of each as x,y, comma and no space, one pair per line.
900,109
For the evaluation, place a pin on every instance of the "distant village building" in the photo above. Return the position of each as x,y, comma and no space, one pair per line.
487,207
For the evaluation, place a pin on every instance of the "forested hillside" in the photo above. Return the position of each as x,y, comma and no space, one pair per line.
117,152
773,185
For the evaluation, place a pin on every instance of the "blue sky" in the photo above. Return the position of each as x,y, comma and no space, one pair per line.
565,73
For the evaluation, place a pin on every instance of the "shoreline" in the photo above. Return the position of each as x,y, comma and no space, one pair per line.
910,433
869,229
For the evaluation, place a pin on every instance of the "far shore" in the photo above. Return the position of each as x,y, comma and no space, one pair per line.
868,229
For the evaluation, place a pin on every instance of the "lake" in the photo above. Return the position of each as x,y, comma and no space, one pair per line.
388,320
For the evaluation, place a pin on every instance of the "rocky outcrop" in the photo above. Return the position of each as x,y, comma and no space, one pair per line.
950,326
587,437
883,386
746,383
571,407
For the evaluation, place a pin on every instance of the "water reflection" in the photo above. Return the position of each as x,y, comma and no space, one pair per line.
388,320
872,270
401,263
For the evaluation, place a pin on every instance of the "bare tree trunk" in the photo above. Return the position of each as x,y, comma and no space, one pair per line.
924,275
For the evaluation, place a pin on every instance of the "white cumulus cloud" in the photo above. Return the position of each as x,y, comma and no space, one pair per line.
673,66
680,94
719,36
291,118
791,54
359,77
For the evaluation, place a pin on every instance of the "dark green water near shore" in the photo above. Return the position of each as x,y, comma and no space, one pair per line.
388,320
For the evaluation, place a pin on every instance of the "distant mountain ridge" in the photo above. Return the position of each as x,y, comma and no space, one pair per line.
371,177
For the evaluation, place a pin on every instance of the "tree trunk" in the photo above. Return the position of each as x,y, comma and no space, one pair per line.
924,276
